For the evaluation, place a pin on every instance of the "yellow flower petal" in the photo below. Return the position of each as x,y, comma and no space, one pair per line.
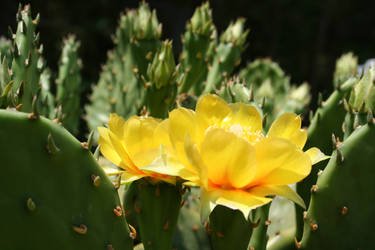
288,126
316,155
235,199
106,147
129,176
126,162
211,110
161,134
165,164
245,115
280,162
139,139
284,191
200,170
182,122
116,125
230,159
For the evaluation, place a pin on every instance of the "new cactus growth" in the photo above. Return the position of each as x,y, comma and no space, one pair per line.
121,88
198,42
346,67
27,63
160,83
68,85
272,87
227,55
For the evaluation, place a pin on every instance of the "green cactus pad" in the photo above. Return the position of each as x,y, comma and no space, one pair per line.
190,233
155,206
341,210
50,194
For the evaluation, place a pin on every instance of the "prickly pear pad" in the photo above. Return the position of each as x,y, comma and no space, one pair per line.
48,195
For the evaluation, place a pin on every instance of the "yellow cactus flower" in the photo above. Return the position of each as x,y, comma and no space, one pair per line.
225,152
136,144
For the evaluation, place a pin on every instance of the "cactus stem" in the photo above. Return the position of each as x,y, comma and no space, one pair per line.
51,146
297,243
344,210
166,226
81,229
30,205
95,180
314,188
339,157
117,211
311,115
313,226
133,232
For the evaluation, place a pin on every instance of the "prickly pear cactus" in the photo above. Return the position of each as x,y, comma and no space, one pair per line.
161,82
340,207
155,208
190,233
346,67
121,87
227,55
68,85
273,89
53,192
198,44
27,63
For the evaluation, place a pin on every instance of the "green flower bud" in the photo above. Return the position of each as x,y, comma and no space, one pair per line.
201,22
346,67
235,33
162,70
146,25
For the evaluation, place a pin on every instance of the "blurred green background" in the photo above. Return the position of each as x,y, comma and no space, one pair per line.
304,37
